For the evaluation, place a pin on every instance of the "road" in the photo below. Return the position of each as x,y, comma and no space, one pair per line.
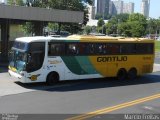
72,98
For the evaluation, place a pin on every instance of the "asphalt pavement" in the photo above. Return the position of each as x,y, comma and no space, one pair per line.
79,97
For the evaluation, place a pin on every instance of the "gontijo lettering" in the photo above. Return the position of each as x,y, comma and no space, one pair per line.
112,59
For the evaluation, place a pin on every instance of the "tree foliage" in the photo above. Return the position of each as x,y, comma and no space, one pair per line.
15,2
87,29
133,25
100,22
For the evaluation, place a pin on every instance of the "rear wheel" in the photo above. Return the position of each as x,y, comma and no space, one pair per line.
52,78
132,73
122,74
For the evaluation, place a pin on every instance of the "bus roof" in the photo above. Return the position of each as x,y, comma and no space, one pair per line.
83,38
107,38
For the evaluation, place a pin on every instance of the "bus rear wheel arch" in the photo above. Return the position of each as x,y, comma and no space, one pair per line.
122,74
132,73
52,78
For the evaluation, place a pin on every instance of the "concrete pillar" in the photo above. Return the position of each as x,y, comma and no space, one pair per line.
5,40
38,27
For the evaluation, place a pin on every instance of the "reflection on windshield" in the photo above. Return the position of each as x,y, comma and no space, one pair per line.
18,60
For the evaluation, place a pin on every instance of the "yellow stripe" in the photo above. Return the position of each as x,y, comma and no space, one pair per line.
113,108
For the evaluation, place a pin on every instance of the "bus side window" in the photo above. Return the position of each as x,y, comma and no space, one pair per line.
82,49
72,49
90,49
144,48
56,49
113,48
100,49
127,48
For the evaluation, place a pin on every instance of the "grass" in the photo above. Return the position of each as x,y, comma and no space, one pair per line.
157,46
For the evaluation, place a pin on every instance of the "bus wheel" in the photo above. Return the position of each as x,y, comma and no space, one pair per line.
122,74
52,78
132,73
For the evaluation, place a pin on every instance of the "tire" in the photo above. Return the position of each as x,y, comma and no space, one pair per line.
52,78
122,74
132,73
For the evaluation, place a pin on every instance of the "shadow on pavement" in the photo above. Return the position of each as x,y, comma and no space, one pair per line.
65,86
3,69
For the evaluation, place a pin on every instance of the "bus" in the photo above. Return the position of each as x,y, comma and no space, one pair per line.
52,59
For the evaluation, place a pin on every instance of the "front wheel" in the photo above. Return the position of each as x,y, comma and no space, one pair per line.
52,78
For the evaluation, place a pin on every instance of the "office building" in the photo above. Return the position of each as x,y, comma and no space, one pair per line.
145,7
116,7
128,7
102,7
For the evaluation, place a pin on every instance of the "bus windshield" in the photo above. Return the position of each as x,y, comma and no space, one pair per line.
26,56
18,60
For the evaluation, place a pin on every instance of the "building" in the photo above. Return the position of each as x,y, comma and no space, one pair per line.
116,7
145,7
102,7
93,9
128,7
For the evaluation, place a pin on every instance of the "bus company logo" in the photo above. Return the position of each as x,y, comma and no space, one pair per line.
54,62
112,59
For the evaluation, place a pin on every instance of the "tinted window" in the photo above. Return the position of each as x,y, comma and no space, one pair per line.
144,48
100,48
56,49
35,56
113,48
72,49
37,46
21,45
127,48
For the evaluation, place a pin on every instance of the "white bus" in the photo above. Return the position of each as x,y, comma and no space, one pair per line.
51,59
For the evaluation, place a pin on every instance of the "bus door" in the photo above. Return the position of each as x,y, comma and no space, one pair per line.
35,56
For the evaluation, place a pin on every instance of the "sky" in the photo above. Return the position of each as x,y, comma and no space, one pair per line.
154,7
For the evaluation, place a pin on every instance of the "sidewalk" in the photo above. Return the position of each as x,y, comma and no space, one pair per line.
156,68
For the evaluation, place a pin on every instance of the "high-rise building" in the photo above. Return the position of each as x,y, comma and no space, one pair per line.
145,7
128,7
117,7
102,7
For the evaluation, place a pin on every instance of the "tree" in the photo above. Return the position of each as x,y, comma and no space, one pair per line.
15,2
101,26
153,26
125,29
87,29
100,22
138,24
137,29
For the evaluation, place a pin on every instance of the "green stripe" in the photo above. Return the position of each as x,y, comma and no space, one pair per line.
79,65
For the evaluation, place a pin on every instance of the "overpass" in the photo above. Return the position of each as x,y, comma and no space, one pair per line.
17,14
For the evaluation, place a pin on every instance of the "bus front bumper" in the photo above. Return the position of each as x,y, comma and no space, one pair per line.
16,75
